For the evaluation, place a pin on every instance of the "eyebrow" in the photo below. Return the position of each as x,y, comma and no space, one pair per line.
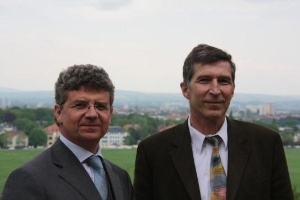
218,77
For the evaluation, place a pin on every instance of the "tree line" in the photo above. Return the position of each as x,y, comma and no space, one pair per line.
28,120
32,122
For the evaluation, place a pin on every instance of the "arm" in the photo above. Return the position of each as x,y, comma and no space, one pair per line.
22,185
142,176
281,184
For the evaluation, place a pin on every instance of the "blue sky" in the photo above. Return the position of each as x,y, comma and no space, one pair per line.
142,43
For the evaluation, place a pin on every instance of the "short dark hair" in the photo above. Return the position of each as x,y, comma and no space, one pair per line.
88,76
205,54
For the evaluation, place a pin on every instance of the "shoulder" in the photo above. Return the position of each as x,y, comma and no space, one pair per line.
167,135
251,130
162,142
28,175
43,162
248,125
40,160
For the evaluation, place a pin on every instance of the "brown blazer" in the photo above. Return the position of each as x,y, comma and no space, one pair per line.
257,169
56,174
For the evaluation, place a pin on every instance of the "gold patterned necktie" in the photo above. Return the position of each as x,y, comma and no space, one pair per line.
217,173
99,175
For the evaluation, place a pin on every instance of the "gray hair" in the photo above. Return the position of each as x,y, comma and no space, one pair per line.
88,76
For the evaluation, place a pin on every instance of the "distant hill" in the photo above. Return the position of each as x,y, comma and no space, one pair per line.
122,97
8,90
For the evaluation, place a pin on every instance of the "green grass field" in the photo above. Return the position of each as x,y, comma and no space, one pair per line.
293,160
11,159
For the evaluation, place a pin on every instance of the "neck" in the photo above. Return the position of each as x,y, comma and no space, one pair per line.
207,126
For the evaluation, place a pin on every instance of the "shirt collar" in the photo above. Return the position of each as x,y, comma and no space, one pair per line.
198,137
81,153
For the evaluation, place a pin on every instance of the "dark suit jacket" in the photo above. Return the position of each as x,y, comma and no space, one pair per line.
257,168
56,174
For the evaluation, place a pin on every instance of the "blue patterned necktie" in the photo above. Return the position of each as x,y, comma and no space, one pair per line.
99,176
217,173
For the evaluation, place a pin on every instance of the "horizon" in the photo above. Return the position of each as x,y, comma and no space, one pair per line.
13,90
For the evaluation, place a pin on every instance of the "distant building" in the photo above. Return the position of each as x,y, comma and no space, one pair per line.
114,137
286,130
16,139
266,109
53,133
297,138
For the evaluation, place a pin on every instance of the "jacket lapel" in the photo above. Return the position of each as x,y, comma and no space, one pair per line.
238,154
114,181
182,157
72,171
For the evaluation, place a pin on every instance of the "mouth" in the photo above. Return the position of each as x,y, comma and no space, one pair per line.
214,102
89,126
90,123
84,124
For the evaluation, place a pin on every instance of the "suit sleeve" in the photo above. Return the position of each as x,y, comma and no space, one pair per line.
142,176
281,184
28,188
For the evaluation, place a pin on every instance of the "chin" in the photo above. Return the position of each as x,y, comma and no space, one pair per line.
215,115
91,136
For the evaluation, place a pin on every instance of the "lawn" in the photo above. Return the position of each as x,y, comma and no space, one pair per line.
293,159
11,159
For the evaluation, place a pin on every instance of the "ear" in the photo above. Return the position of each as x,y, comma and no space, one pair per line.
57,113
184,90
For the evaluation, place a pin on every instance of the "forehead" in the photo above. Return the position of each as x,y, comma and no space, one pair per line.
88,94
221,68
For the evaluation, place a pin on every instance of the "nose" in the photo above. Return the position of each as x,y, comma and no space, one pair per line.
215,89
91,111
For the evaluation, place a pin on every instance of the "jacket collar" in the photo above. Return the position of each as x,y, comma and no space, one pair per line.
182,157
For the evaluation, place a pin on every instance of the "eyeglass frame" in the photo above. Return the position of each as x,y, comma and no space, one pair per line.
80,105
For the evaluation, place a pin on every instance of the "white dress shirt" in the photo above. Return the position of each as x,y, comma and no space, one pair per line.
81,154
202,156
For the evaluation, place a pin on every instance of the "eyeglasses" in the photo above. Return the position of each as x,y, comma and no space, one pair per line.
84,106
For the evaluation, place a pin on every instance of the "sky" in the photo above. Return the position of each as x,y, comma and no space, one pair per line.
142,44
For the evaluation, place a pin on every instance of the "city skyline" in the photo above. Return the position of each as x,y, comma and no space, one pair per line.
142,44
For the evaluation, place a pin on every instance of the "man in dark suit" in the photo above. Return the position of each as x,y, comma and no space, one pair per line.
180,163
84,97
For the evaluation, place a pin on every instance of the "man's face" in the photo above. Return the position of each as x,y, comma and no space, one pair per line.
210,90
85,117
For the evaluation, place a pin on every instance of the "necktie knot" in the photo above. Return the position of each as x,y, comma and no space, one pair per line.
95,162
214,140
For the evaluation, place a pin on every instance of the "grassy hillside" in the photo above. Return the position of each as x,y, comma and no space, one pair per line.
11,159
